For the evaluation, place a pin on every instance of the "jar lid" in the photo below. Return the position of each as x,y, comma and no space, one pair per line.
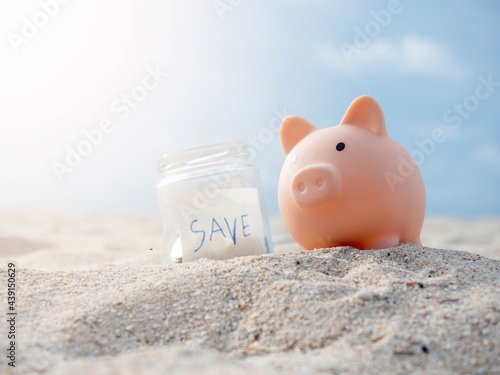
203,157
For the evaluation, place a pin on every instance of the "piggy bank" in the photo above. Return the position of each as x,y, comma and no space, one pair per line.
350,184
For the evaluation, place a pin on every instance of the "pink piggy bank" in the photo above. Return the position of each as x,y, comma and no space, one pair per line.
350,184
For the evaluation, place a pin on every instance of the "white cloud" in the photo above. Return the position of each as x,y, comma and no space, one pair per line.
411,55
488,154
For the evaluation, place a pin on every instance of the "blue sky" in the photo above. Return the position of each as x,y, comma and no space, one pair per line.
229,74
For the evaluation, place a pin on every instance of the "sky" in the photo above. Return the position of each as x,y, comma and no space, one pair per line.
142,79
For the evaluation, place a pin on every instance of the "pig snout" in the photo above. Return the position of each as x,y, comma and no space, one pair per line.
316,185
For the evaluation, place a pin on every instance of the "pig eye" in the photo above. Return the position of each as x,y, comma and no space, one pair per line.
340,146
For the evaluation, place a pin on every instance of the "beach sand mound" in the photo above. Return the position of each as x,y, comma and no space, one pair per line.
408,309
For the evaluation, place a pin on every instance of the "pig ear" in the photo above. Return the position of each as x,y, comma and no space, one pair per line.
365,112
293,129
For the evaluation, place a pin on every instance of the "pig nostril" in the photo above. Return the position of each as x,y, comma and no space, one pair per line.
320,182
302,187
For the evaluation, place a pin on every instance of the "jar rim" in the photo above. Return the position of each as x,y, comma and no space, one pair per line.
204,155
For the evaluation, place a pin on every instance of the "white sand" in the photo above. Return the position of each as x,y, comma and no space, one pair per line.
93,299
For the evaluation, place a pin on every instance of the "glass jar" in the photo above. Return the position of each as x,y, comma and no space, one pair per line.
211,204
